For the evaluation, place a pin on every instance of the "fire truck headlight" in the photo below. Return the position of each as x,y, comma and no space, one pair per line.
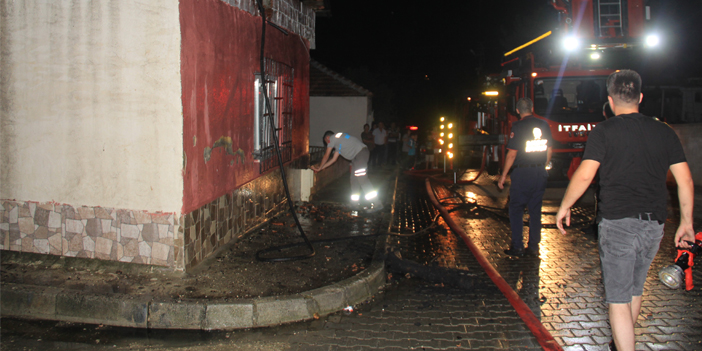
652,40
571,43
595,56
371,195
355,197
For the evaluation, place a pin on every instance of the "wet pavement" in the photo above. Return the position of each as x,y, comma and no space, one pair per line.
562,287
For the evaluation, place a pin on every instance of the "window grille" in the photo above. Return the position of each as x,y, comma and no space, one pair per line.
279,87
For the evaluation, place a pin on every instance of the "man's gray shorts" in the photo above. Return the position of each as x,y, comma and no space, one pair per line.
627,248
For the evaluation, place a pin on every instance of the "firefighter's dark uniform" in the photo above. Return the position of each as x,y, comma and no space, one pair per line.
530,137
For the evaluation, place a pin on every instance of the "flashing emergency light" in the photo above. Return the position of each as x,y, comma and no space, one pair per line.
450,135
441,119
595,56
533,74
490,93
652,40
413,128
450,125
442,126
571,43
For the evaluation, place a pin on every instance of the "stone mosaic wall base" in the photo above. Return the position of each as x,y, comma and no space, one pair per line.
89,232
163,239
229,217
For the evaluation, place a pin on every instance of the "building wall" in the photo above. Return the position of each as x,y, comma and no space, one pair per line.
220,56
339,114
107,122
91,129
90,100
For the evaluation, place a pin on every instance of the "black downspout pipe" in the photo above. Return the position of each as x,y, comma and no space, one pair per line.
277,152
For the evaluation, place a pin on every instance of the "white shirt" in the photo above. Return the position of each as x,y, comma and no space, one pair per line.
379,136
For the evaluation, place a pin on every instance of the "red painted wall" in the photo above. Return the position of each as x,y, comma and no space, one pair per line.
219,57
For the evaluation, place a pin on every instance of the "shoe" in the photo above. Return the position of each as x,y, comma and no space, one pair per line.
531,252
513,252
612,346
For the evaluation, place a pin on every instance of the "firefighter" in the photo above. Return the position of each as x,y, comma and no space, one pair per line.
356,151
529,151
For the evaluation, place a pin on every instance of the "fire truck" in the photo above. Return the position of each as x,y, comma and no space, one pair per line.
564,73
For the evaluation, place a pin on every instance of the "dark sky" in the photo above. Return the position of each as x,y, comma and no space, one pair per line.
419,57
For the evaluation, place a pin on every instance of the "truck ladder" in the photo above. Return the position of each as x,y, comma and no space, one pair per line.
610,18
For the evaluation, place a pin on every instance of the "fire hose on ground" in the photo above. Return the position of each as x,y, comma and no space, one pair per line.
542,335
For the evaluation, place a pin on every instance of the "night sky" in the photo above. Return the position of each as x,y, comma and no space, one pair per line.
419,57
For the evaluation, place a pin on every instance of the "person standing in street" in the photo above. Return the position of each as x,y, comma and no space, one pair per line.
529,151
367,137
633,154
380,137
411,159
393,139
354,150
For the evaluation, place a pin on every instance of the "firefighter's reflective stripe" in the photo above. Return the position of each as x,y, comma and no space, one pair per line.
355,197
371,195
359,172
537,144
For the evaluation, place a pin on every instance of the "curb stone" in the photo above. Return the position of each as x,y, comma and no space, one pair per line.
122,310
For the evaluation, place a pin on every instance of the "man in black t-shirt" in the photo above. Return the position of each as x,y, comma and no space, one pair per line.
529,150
633,153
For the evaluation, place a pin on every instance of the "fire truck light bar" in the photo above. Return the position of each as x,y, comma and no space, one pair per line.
528,43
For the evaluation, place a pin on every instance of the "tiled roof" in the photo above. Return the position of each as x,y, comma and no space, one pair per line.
325,82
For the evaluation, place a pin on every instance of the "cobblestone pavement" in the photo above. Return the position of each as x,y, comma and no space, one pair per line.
562,287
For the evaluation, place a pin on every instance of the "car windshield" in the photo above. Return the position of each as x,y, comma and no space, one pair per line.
564,99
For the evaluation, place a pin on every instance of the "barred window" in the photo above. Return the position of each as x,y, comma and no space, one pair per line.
279,87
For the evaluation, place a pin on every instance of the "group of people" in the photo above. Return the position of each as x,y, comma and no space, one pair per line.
382,143
631,155
389,146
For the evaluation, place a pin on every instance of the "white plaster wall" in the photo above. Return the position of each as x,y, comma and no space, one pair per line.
91,107
339,114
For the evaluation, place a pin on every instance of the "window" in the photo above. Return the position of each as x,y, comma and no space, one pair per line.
279,87
562,99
